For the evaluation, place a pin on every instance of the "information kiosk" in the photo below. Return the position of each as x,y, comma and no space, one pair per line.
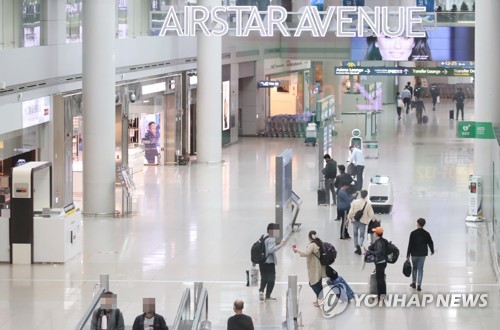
39,233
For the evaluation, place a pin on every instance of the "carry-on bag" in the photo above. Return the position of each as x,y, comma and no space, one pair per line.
321,193
451,114
373,283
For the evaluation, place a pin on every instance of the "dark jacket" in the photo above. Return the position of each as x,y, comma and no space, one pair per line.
240,322
459,97
158,323
330,170
434,92
115,321
417,245
343,179
379,248
344,200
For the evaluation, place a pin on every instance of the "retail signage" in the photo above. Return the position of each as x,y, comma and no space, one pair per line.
215,21
36,111
353,2
400,71
153,88
428,4
268,83
277,65
475,130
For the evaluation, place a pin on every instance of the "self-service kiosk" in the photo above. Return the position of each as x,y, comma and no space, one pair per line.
475,212
39,233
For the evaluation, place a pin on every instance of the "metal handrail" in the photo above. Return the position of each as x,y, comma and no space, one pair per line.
183,313
90,309
202,302
290,321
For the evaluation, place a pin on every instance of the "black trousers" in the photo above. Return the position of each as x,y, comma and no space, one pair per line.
460,107
267,278
398,109
407,102
380,274
359,177
343,224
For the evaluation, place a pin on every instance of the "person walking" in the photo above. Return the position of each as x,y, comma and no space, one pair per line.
359,225
315,270
344,200
419,243
459,99
343,179
380,262
406,96
268,268
239,321
419,110
358,159
434,95
330,173
399,105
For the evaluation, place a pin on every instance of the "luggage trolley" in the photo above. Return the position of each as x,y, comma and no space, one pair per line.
380,194
311,134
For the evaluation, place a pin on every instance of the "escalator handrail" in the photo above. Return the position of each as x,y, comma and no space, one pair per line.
184,306
90,309
202,304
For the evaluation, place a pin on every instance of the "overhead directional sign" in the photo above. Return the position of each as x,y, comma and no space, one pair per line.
400,71
268,83
457,64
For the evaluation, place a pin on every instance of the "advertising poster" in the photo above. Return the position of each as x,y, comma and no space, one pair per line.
441,44
150,133
225,105
36,111
428,4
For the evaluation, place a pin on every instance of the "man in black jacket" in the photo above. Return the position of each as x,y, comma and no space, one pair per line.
149,320
330,173
417,249
459,99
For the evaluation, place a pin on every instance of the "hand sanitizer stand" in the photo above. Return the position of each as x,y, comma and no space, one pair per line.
37,232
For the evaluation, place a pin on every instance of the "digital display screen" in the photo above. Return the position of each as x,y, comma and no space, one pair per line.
441,44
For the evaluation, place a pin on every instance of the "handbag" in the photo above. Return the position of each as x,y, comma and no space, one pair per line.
401,103
438,99
359,214
407,268
351,168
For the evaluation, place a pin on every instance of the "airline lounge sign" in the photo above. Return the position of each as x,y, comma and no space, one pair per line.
215,21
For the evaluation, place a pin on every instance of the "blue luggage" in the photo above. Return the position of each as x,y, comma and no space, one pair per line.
343,290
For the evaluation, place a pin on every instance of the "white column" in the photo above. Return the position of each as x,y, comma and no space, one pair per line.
53,22
209,94
486,93
99,106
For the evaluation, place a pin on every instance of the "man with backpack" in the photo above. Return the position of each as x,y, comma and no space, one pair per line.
360,213
330,173
267,262
379,248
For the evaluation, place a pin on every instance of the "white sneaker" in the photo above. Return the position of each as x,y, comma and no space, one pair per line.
271,299
261,296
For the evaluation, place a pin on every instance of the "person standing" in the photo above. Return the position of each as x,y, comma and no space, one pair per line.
419,240
459,99
330,173
359,226
434,95
343,179
419,110
399,105
344,200
380,262
108,316
239,321
315,270
268,268
358,159
406,96
149,319
151,144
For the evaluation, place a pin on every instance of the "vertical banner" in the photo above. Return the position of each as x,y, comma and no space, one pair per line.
428,4
225,105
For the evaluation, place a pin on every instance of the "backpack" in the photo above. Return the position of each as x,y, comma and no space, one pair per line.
327,254
391,251
258,251
359,214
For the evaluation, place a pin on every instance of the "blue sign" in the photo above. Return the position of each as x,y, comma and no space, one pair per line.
318,3
457,64
428,4
353,2
268,83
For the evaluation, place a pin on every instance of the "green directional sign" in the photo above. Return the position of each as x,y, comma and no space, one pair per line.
475,130
449,72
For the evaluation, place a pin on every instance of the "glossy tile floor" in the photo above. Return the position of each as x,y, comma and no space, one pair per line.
197,223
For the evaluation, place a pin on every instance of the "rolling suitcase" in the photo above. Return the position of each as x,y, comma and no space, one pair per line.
321,193
451,114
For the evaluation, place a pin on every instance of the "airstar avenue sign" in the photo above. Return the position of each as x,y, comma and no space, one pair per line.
214,21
